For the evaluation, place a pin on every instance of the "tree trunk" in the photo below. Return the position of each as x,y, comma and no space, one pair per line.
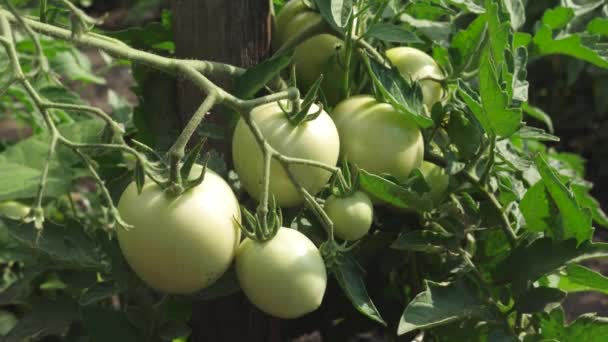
235,32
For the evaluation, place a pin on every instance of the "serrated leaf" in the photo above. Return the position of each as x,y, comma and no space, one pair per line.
533,133
583,46
598,26
404,96
255,78
539,115
465,48
538,299
47,317
392,193
75,66
501,119
588,327
437,31
586,200
97,292
350,277
439,304
575,278
66,246
424,241
531,261
575,221
465,133
392,33
21,164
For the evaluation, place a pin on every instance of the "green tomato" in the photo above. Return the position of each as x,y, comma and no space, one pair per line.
352,215
294,18
322,54
13,210
437,179
377,138
285,277
315,140
184,244
417,65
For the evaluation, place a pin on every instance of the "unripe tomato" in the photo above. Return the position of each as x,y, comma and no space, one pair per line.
182,244
377,138
437,179
417,65
294,18
285,277
352,215
321,54
316,140
13,210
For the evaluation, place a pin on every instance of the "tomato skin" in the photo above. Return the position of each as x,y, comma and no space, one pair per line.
437,179
316,140
321,54
415,64
352,215
180,245
285,277
13,210
377,138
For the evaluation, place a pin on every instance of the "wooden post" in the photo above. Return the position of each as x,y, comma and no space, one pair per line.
235,32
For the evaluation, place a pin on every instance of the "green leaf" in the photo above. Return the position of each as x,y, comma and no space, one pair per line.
517,12
575,221
67,246
424,241
75,66
392,33
21,164
583,46
588,327
575,278
501,119
537,208
97,292
528,262
466,48
104,325
465,133
538,299
336,12
47,317
437,31
350,277
586,200
404,96
439,304
153,35
598,26
533,133
392,193
539,115
255,78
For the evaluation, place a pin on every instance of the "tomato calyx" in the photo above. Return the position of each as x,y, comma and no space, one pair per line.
346,182
333,252
299,112
264,225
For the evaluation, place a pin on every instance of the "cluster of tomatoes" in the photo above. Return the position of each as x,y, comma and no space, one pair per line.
184,244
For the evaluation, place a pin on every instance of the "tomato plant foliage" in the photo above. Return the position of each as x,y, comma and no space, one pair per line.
478,225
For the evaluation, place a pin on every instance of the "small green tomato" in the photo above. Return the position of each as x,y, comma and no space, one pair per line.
352,215
285,276
437,179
